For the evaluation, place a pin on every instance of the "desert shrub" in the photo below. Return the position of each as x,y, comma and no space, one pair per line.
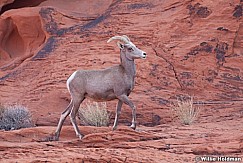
94,114
185,110
14,117
1,110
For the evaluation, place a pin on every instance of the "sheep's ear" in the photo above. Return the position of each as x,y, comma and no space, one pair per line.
120,45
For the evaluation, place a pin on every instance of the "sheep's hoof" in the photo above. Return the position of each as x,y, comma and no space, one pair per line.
133,126
54,137
80,136
114,128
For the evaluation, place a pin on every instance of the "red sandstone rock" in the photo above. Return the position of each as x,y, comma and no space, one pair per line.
193,47
21,36
5,2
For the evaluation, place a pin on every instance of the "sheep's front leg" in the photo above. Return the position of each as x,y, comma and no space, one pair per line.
118,112
126,100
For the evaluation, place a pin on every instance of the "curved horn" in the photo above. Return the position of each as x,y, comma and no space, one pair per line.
127,38
123,38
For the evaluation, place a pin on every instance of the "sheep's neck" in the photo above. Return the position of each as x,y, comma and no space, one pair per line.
128,65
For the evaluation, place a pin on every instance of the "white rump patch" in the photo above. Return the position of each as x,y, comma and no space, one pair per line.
70,79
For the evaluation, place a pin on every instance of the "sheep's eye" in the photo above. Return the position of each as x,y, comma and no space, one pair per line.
130,49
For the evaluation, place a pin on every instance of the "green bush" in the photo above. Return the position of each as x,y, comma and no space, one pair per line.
14,117
94,114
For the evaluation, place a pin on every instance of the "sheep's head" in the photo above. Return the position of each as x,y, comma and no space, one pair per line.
126,46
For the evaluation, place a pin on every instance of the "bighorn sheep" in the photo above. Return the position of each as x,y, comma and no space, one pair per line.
115,82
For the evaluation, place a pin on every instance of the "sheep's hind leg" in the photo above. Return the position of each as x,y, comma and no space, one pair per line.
126,100
62,119
73,114
118,112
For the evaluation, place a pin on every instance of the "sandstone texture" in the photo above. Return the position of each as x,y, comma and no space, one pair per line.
194,48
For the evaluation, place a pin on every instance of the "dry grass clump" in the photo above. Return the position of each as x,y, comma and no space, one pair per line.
94,114
14,117
1,110
186,111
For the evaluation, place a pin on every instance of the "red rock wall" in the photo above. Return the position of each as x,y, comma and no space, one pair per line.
193,47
